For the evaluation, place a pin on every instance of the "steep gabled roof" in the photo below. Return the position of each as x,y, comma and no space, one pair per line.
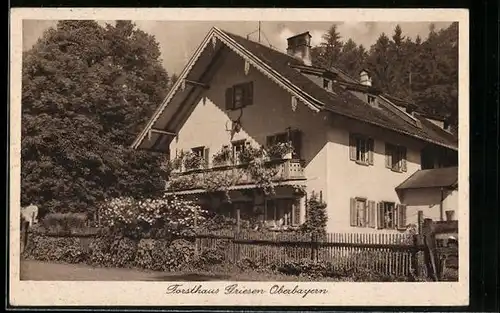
446,177
281,68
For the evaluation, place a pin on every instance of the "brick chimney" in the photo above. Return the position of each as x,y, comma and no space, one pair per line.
365,78
299,46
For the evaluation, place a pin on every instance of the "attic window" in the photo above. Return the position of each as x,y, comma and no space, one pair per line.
326,83
239,96
372,100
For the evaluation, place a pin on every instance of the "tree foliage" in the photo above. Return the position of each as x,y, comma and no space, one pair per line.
87,90
421,71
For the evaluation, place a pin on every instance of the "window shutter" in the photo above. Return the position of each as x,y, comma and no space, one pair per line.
401,216
353,212
388,155
370,151
297,143
206,155
352,148
248,93
372,213
229,99
380,215
296,213
403,159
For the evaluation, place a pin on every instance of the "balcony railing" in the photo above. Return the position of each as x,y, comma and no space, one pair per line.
285,170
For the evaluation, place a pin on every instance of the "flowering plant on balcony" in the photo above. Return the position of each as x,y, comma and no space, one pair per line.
193,161
280,150
249,154
223,157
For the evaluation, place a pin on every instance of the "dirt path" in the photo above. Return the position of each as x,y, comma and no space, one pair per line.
36,270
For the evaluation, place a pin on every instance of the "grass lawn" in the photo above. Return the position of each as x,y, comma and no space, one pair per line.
37,270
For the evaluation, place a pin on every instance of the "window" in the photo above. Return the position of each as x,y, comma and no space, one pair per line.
361,149
450,215
391,216
238,148
282,212
395,157
362,213
202,153
326,83
371,100
295,136
239,96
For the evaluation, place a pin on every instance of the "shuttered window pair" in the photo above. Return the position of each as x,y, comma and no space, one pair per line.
395,157
361,149
362,213
239,96
384,215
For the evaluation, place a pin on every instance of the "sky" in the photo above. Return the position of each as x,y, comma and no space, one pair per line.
179,39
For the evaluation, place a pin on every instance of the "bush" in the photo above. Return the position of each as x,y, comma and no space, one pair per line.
54,249
139,219
317,218
143,257
64,222
123,252
163,255
209,258
100,251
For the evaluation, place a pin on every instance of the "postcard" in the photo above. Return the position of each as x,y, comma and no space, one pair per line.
297,157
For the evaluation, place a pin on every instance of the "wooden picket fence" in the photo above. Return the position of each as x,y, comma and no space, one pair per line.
391,254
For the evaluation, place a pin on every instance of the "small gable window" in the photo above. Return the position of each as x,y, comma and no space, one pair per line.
361,149
395,157
239,96
372,100
326,83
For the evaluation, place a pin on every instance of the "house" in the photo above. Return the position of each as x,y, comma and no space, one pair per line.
351,143
434,192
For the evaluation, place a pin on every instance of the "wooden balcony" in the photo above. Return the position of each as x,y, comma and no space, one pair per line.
283,170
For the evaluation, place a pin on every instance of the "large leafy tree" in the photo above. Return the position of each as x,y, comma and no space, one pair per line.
86,92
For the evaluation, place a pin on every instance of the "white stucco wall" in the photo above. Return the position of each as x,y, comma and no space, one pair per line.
428,201
347,179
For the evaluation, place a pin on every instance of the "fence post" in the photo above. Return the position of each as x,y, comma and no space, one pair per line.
314,250
195,226
420,221
238,220
414,256
430,249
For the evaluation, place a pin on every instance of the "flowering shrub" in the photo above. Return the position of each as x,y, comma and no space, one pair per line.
223,157
138,219
264,174
279,150
249,154
220,181
193,161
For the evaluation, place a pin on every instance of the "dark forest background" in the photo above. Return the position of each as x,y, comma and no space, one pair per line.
424,72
